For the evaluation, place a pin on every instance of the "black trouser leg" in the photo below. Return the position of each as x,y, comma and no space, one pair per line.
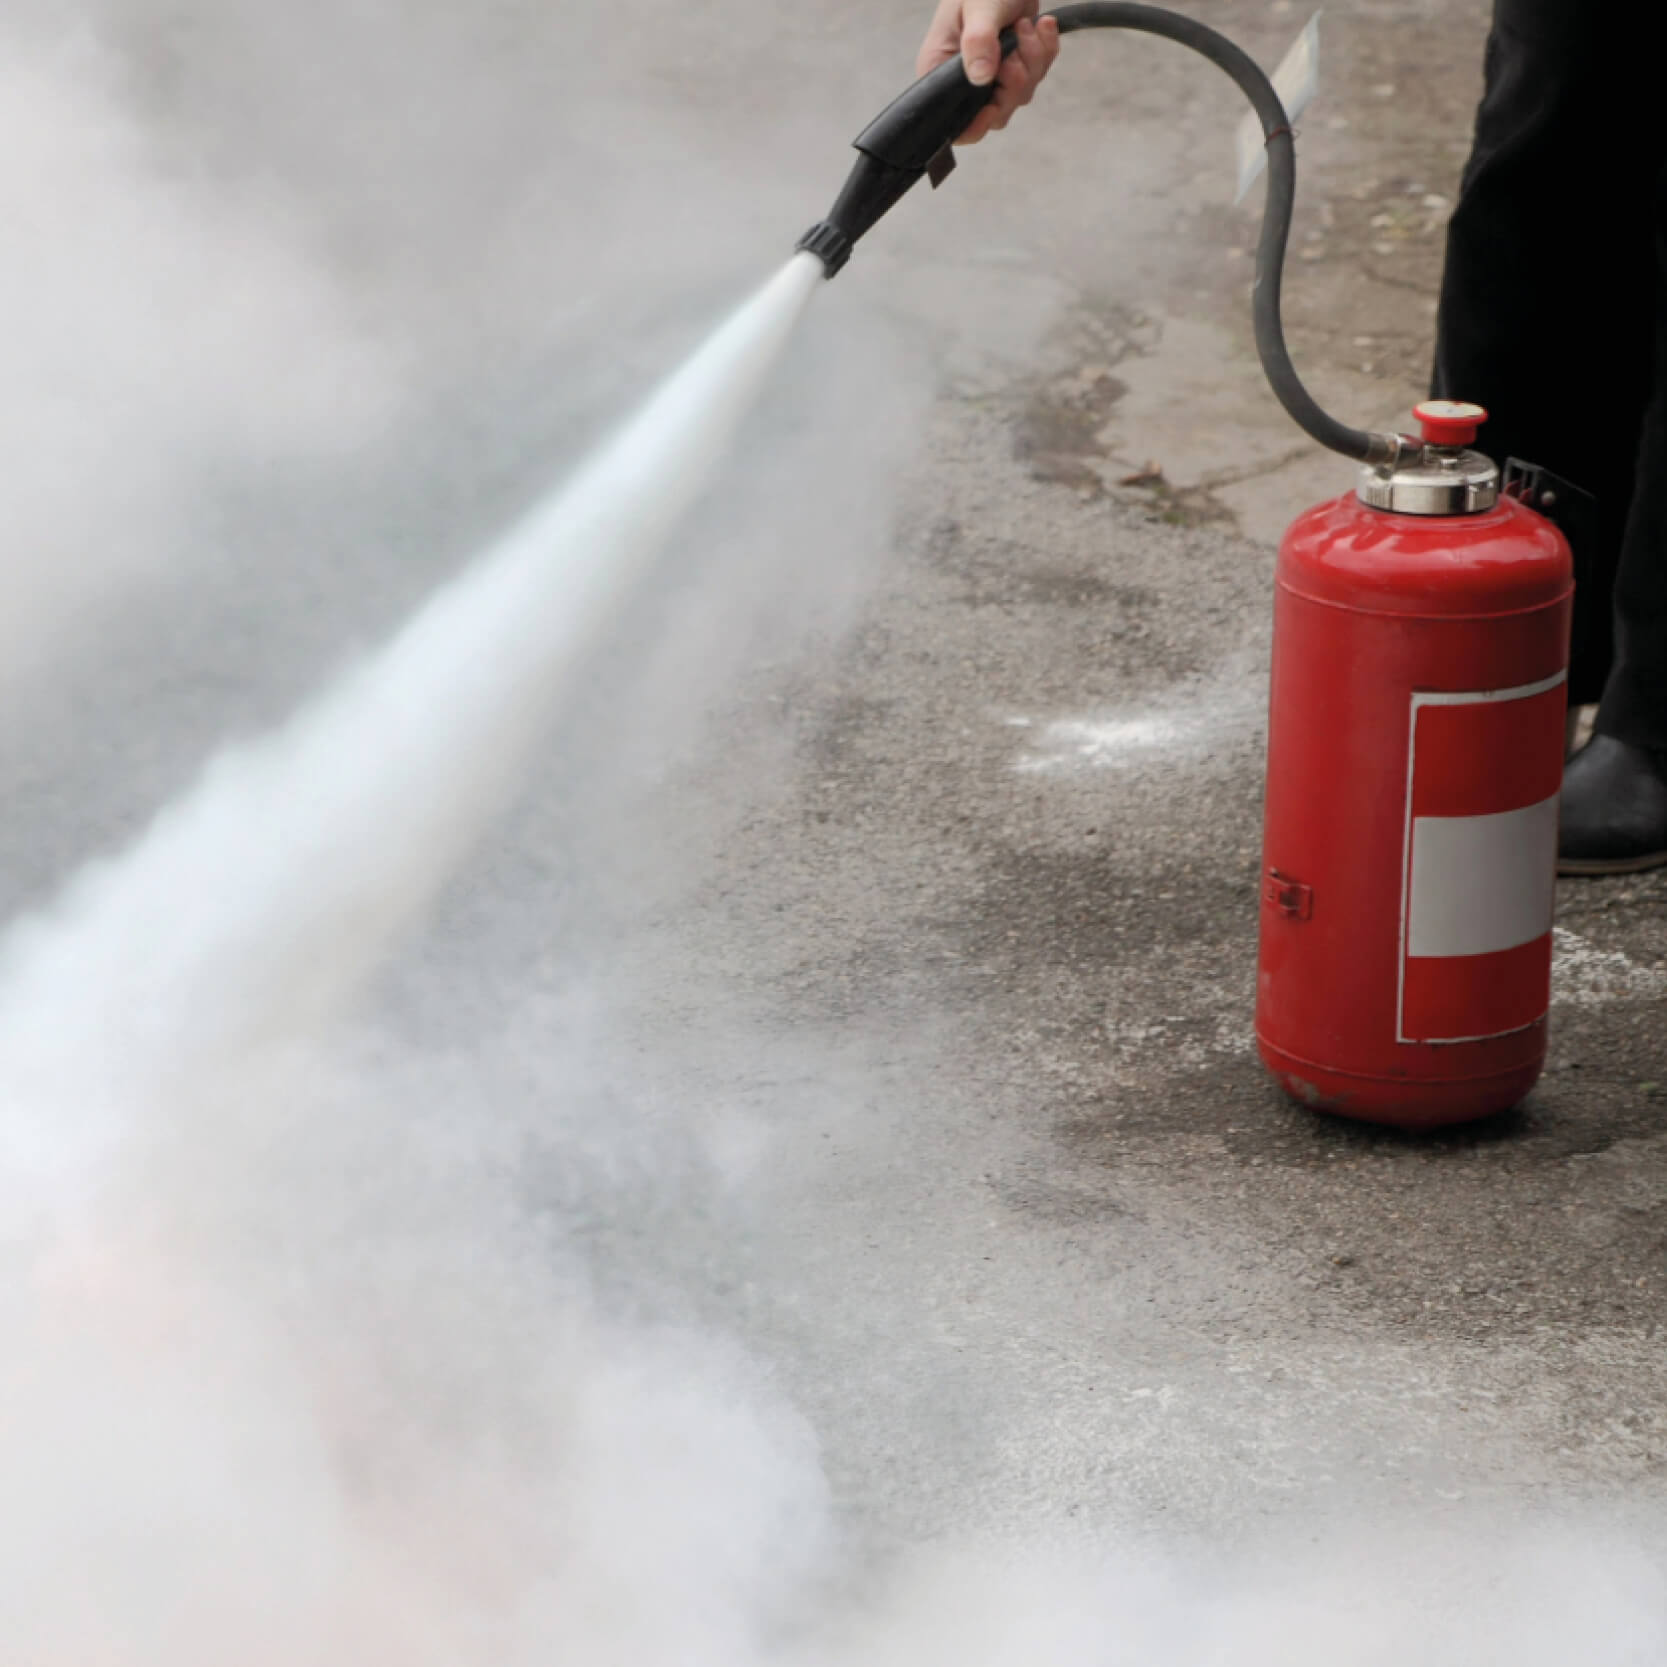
1548,299
1635,702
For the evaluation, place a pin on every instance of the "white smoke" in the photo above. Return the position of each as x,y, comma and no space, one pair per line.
159,334
257,904
371,1423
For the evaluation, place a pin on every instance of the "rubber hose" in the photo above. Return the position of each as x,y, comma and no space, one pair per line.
1276,214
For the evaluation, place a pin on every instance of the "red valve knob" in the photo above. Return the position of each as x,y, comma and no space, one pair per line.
1448,422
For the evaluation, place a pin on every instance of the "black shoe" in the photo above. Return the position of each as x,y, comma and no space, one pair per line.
1614,809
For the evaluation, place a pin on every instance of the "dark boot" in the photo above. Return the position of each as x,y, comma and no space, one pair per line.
1614,809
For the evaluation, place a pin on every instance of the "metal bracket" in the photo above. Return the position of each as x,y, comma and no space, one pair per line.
1290,897
1558,500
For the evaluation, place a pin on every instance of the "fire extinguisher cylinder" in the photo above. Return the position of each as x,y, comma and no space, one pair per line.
1415,754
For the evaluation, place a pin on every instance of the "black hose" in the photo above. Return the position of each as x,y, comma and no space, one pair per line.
1276,215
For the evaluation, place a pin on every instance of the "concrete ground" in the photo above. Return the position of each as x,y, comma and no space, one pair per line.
952,977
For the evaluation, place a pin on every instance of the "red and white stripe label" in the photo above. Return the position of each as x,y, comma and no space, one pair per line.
1480,862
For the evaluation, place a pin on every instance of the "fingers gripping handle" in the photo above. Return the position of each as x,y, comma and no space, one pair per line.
915,127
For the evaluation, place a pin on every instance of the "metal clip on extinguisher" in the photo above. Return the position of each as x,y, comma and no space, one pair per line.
1420,660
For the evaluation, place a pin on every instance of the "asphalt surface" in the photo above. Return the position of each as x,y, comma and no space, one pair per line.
913,953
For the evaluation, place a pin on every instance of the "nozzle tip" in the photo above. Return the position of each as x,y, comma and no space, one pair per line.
828,243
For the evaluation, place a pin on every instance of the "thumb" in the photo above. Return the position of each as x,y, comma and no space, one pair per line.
981,22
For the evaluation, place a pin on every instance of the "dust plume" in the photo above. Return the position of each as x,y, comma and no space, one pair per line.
160,334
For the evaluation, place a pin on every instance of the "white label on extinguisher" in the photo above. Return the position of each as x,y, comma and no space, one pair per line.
1481,884
1480,859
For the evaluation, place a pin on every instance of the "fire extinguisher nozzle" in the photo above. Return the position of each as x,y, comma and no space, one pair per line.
829,244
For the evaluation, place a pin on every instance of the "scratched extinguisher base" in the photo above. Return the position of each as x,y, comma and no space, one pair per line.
1417,1104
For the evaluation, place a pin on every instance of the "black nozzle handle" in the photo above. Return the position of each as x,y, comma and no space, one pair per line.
911,132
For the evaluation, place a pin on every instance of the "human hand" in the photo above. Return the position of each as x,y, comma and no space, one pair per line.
973,28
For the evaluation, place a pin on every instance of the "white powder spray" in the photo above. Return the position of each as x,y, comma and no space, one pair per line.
369,1419
253,906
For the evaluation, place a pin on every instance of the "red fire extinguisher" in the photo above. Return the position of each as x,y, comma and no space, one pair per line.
1415,752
